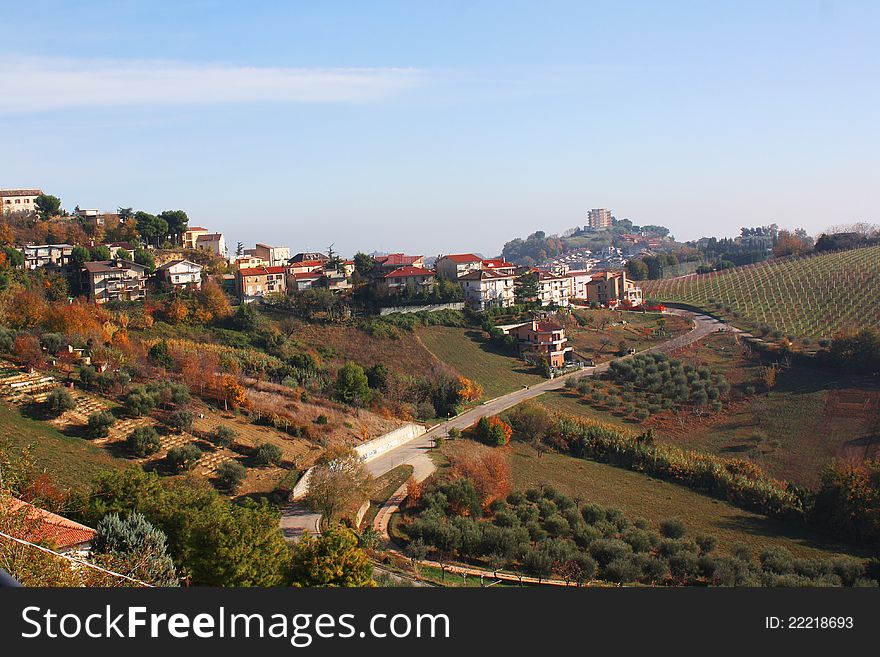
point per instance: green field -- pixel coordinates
(639, 495)
(471, 355)
(813, 296)
(70, 462)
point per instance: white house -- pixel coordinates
(578, 281)
(181, 273)
(115, 280)
(274, 256)
(18, 200)
(212, 243)
(553, 289)
(484, 288)
(456, 265)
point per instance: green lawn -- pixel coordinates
(467, 351)
(71, 462)
(639, 495)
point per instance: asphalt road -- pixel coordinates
(296, 518)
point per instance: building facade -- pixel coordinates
(191, 234)
(543, 339)
(274, 256)
(487, 289)
(418, 279)
(213, 243)
(599, 218)
(115, 280)
(38, 256)
(181, 274)
(260, 281)
(18, 200)
(456, 265)
(612, 289)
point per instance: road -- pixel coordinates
(296, 518)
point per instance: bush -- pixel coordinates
(622, 570)
(267, 454)
(59, 401)
(181, 420)
(321, 419)
(222, 436)
(143, 441)
(139, 402)
(672, 528)
(230, 474)
(184, 458)
(493, 431)
(99, 424)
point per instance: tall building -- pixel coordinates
(599, 218)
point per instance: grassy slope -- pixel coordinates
(472, 356)
(813, 296)
(808, 420)
(71, 462)
(639, 495)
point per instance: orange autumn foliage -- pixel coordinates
(469, 390)
(488, 469)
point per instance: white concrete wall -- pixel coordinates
(368, 451)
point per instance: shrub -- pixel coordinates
(222, 436)
(230, 474)
(59, 401)
(493, 430)
(99, 424)
(672, 528)
(139, 402)
(267, 454)
(184, 458)
(143, 441)
(622, 570)
(181, 420)
(321, 419)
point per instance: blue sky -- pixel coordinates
(446, 126)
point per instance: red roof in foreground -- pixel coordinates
(492, 263)
(48, 527)
(261, 271)
(402, 272)
(463, 257)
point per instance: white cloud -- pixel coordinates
(30, 84)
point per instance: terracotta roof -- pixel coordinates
(493, 263)
(193, 228)
(403, 272)
(20, 192)
(397, 259)
(209, 237)
(261, 271)
(462, 257)
(549, 326)
(308, 274)
(483, 274)
(49, 527)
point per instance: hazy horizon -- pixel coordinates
(451, 127)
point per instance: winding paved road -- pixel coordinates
(296, 518)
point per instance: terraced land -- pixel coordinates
(813, 296)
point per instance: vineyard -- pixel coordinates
(812, 296)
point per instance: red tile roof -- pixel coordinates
(493, 263)
(308, 274)
(307, 263)
(397, 259)
(403, 272)
(48, 527)
(463, 257)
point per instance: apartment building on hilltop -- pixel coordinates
(542, 339)
(18, 200)
(484, 288)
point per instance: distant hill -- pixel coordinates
(812, 296)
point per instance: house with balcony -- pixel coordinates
(181, 274)
(256, 282)
(613, 290)
(115, 280)
(553, 289)
(456, 265)
(485, 289)
(417, 279)
(191, 234)
(39, 256)
(273, 256)
(543, 339)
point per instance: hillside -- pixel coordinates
(813, 296)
